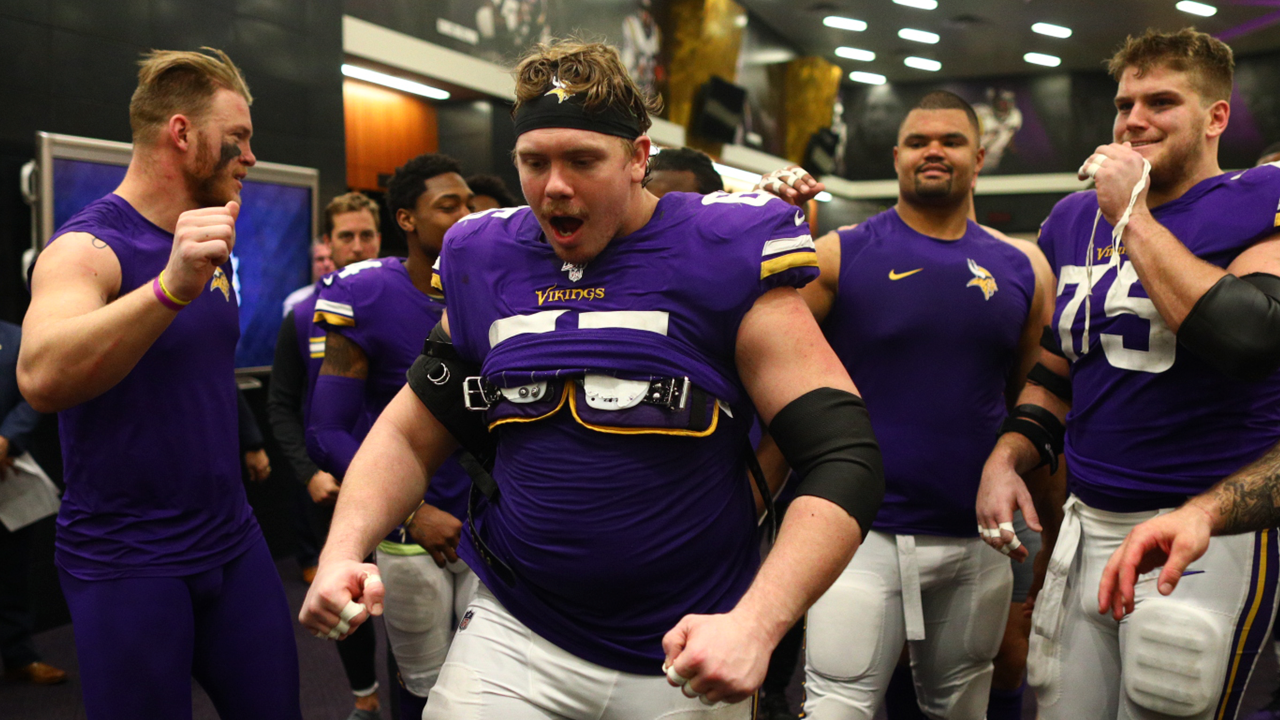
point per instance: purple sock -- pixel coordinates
(900, 700)
(1005, 704)
(411, 705)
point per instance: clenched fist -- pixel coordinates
(202, 240)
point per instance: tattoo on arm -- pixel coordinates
(1249, 500)
(98, 243)
(343, 357)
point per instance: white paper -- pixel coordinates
(26, 494)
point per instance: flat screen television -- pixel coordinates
(278, 219)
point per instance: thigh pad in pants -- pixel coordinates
(845, 631)
(1175, 657)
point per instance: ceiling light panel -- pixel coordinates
(1051, 30)
(866, 77)
(1042, 59)
(1197, 8)
(844, 23)
(850, 53)
(391, 81)
(921, 4)
(920, 63)
(920, 36)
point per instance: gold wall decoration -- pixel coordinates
(810, 95)
(704, 37)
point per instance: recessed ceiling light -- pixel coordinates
(1197, 8)
(866, 77)
(391, 81)
(1042, 59)
(855, 54)
(844, 23)
(920, 36)
(920, 63)
(1051, 30)
(921, 4)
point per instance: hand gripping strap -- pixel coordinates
(1051, 381)
(826, 437)
(1045, 431)
(437, 378)
(1235, 326)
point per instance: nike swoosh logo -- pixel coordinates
(898, 276)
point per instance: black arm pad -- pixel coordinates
(1045, 431)
(1051, 381)
(826, 437)
(1235, 326)
(1049, 341)
(437, 377)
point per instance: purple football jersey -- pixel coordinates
(615, 533)
(375, 305)
(152, 465)
(1150, 422)
(928, 330)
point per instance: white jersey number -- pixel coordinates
(755, 199)
(1162, 344)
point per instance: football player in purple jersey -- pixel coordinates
(617, 343)
(131, 338)
(923, 280)
(1165, 343)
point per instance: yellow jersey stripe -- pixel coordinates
(337, 320)
(1259, 589)
(786, 262)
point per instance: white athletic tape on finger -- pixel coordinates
(350, 610)
(342, 628)
(1004, 549)
(688, 692)
(674, 676)
(703, 699)
(319, 634)
(1015, 543)
(1007, 526)
(372, 577)
(333, 634)
(989, 532)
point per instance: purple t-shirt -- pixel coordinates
(152, 465)
(375, 305)
(614, 535)
(928, 330)
(1150, 422)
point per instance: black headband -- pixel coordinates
(562, 109)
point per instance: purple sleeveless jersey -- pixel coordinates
(1150, 423)
(928, 330)
(152, 465)
(375, 305)
(615, 533)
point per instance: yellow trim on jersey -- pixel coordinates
(786, 262)
(332, 319)
(435, 282)
(715, 420)
(563, 394)
(1278, 219)
(1259, 590)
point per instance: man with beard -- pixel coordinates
(620, 343)
(131, 338)
(375, 315)
(919, 282)
(1167, 329)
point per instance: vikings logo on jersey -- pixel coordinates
(982, 279)
(220, 282)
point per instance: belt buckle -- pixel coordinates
(474, 394)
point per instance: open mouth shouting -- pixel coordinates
(565, 227)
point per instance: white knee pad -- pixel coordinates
(414, 588)
(1175, 658)
(843, 635)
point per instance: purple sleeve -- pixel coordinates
(788, 257)
(336, 408)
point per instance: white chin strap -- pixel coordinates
(1090, 168)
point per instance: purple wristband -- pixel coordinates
(162, 297)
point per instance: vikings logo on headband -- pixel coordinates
(567, 111)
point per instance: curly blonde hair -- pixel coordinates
(172, 82)
(1208, 60)
(590, 69)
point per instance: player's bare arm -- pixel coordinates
(79, 338)
(821, 293)
(1039, 316)
(1247, 501)
(781, 356)
(384, 483)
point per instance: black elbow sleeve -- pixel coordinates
(1235, 326)
(437, 378)
(826, 437)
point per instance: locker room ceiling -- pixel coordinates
(990, 37)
